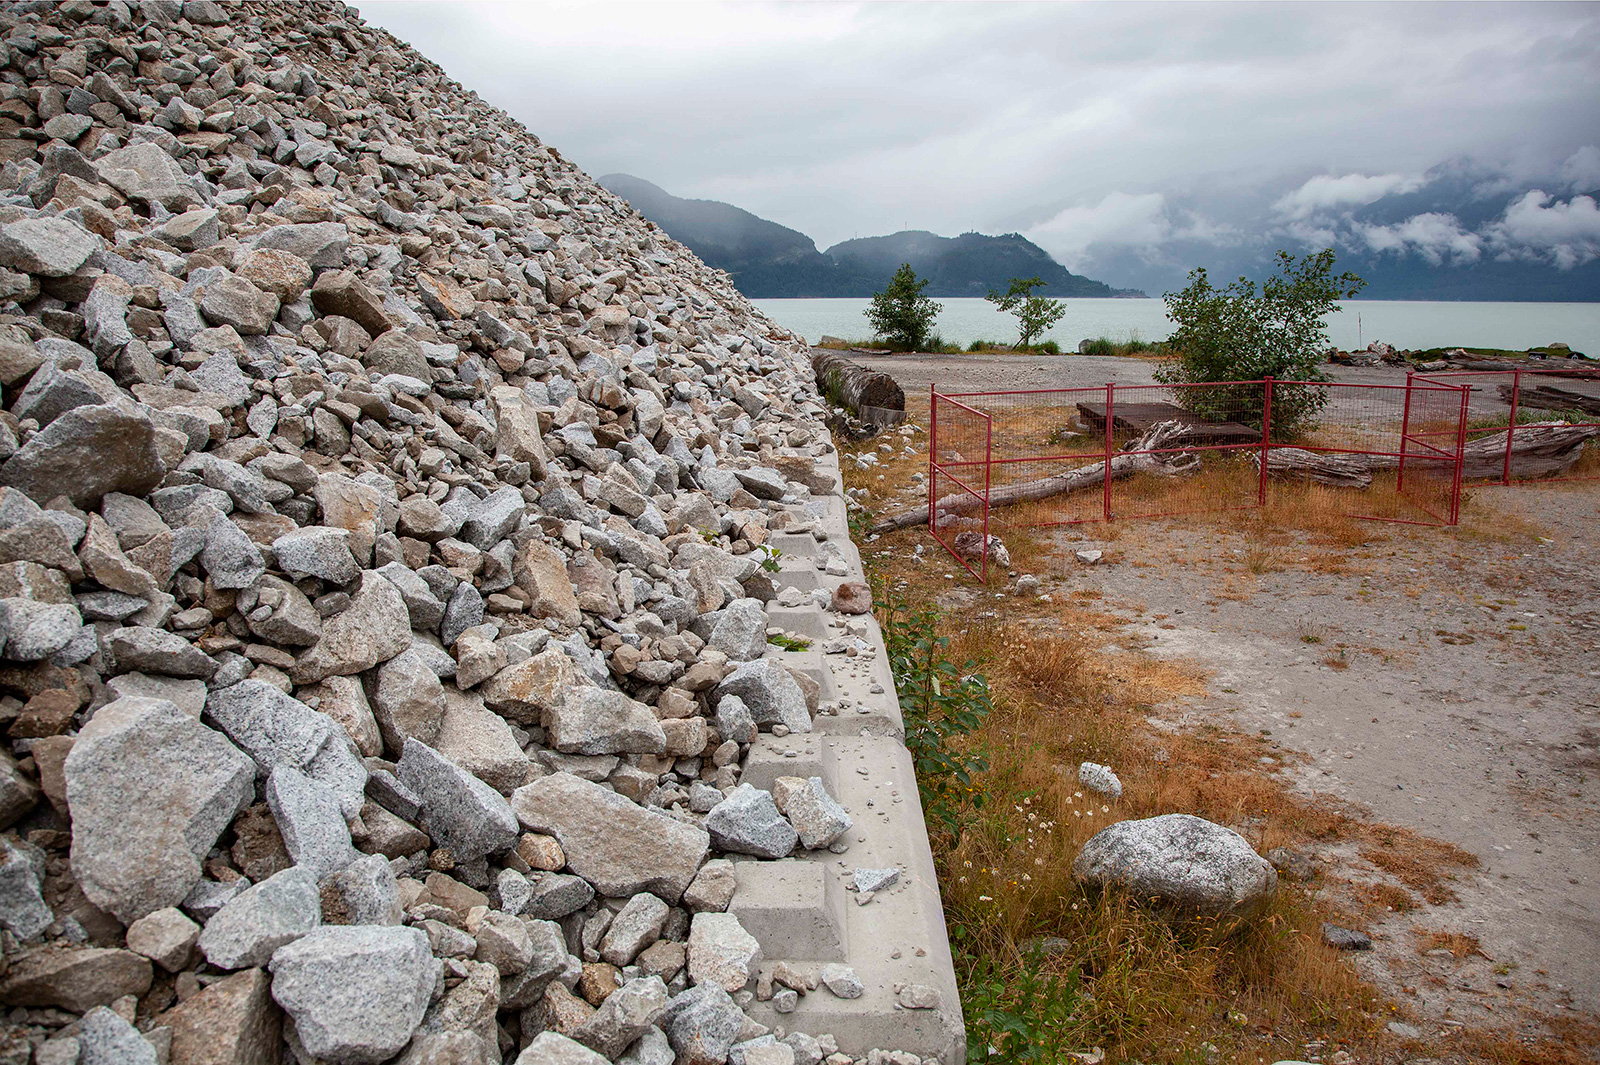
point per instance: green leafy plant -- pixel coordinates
(1035, 314)
(940, 703)
(770, 560)
(790, 643)
(1014, 1015)
(901, 314)
(1240, 334)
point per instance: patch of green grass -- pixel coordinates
(1134, 346)
(1048, 347)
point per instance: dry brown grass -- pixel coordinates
(1459, 944)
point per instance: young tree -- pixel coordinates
(901, 314)
(1035, 314)
(1239, 334)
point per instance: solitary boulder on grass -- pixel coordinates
(1181, 861)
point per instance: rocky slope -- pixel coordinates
(381, 571)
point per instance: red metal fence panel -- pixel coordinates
(1220, 446)
(1507, 407)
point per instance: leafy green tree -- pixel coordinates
(901, 314)
(1035, 314)
(1239, 334)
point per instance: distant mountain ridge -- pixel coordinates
(770, 261)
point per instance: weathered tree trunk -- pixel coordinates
(1536, 451)
(1161, 435)
(855, 387)
(1547, 397)
(1341, 471)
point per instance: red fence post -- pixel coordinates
(1111, 387)
(1405, 430)
(1266, 437)
(988, 469)
(1511, 426)
(933, 450)
(1461, 457)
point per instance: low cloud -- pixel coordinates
(1537, 226)
(1119, 219)
(1436, 237)
(1325, 192)
(1581, 171)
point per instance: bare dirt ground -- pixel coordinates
(1445, 683)
(1444, 680)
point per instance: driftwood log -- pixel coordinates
(1536, 451)
(1548, 397)
(1126, 464)
(854, 387)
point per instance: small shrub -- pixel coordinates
(940, 703)
(901, 314)
(1238, 333)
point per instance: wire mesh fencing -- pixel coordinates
(1528, 424)
(1062, 456)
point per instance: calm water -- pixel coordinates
(1403, 323)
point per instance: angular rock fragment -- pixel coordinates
(256, 922)
(150, 790)
(748, 822)
(459, 811)
(770, 692)
(372, 629)
(355, 993)
(85, 453)
(618, 846)
(230, 1022)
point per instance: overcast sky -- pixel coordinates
(1083, 126)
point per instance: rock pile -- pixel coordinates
(381, 583)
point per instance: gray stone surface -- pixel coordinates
(23, 911)
(459, 811)
(167, 937)
(142, 649)
(373, 629)
(104, 1038)
(815, 815)
(1179, 860)
(34, 630)
(741, 631)
(317, 551)
(618, 846)
(841, 980)
(748, 822)
(311, 821)
(702, 1023)
(772, 696)
(259, 920)
(721, 952)
(637, 925)
(368, 891)
(493, 518)
(357, 993)
(1100, 778)
(86, 453)
(151, 789)
(552, 1048)
(597, 721)
(407, 700)
(49, 247)
(276, 730)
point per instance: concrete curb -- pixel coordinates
(804, 911)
